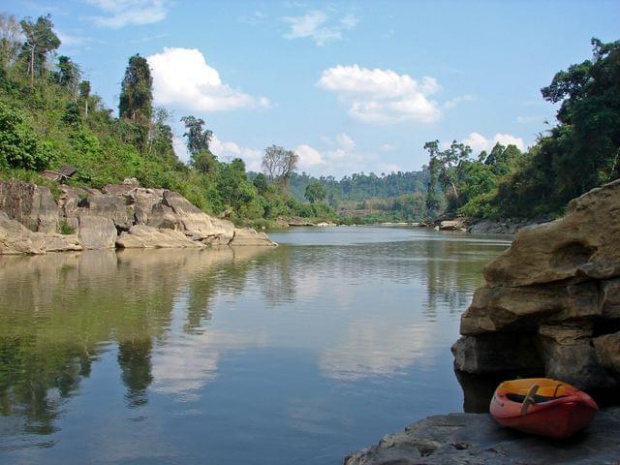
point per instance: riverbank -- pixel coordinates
(476, 439)
(35, 220)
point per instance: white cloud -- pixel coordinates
(478, 142)
(382, 96)
(182, 77)
(309, 157)
(121, 13)
(458, 100)
(229, 150)
(316, 25)
(340, 159)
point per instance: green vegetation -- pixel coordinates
(49, 117)
(578, 154)
(367, 198)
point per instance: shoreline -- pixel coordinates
(476, 439)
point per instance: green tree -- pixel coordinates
(315, 191)
(198, 138)
(136, 100)
(18, 146)
(447, 167)
(40, 40)
(260, 183)
(68, 73)
(84, 95)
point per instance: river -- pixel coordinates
(295, 355)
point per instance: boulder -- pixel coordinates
(565, 248)
(92, 202)
(97, 232)
(54, 242)
(249, 237)
(476, 439)
(608, 351)
(16, 239)
(33, 206)
(556, 292)
(143, 217)
(197, 224)
(452, 225)
(141, 236)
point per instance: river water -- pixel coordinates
(295, 355)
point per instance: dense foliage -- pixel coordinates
(581, 152)
(50, 117)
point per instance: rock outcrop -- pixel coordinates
(124, 216)
(551, 303)
(476, 439)
(16, 239)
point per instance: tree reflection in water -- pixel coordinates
(151, 313)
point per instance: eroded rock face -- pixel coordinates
(16, 239)
(124, 216)
(33, 206)
(558, 289)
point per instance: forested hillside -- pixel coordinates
(577, 154)
(49, 117)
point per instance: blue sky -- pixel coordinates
(351, 86)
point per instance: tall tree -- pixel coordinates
(68, 73)
(84, 94)
(136, 101)
(198, 138)
(40, 41)
(279, 163)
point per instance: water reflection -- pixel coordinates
(186, 336)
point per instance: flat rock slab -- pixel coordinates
(476, 439)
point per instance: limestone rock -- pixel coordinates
(249, 237)
(33, 206)
(143, 217)
(141, 236)
(97, 232)
(16, 239)
(476, 439)
(556, 290)
(92, 202)
(54, 242)
(452, 225)
(198, 225)
(564, 248)
(608, 351)
(496, 353)
(569, 356)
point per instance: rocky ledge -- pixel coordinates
(475, 439)
(551, 303)
(123, 216)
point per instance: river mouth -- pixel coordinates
(298, 354)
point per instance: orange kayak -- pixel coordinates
(542, 406)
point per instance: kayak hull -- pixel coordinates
(561, 410)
